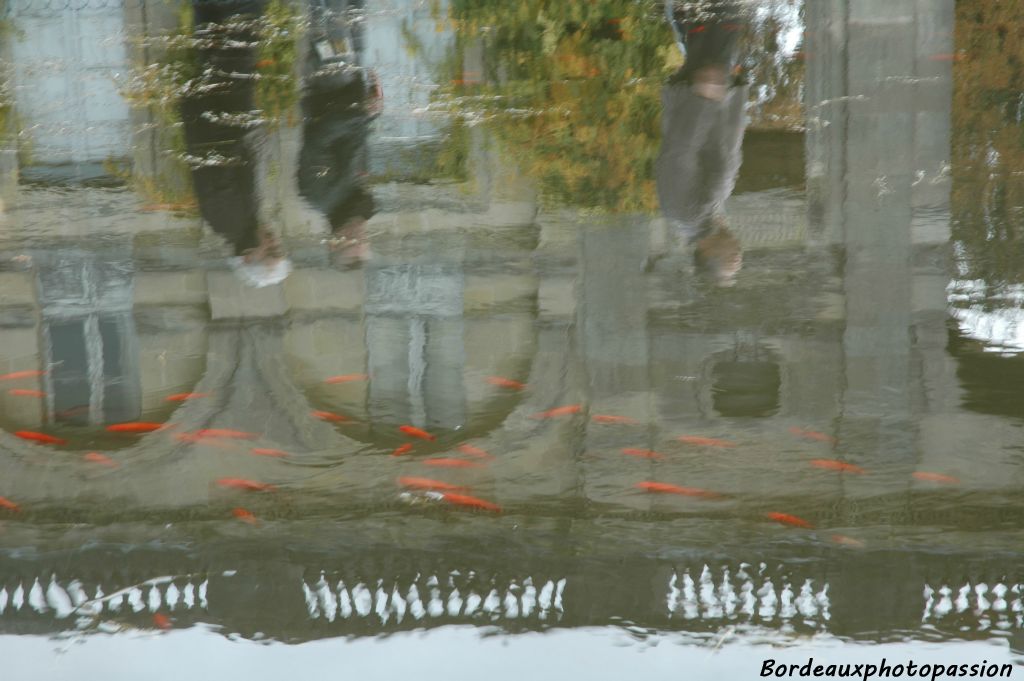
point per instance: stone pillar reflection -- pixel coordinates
(880, 115)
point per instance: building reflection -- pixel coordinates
(838, 322)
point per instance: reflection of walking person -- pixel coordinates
(702, 134)
(340, 100)
(216, 117)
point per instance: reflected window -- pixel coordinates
(89, 339)
(747, 382)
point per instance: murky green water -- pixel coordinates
(724, 351)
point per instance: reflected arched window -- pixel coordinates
(89, 339)
(414, 336)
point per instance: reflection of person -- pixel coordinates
(702, 133)
(340, 100)
(217, 117)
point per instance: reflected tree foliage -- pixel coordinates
(572, 90)
(988, 140)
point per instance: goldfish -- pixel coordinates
(404, 449)
(242, 483)
(833, 465)
(812, 435)
(135, 427)
(935, 477)
(346, 378)
(608, 418)
(666, 488)
(21, 392)
(8, 504)
(788, 519)
(40, 437)
(843, 540)
(181, 397)
(162, 621)
(96, 457)
(427, 483)
(72, 412)
(264, 63)
(642, 453)
(13, 376)
(153, 207)
(471, 502)
(226, 433)
(328, 416)
(559, 411)
(506, 383)
(442, 462)
(705, 441)
(245, 516)
(262, 451)
(195, 438)
(470, 450)
(413, 431)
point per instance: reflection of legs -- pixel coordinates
(687, 121)
(722, 153)
(223, 165)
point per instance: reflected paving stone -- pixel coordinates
(231, 299)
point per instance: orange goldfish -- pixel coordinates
(242, 483)
(162, 621)
(705, 441)
(788, 519)
(506, 383)
(404, 449)
(96, 457)
(427, 483)
(263, 451)
(470, 450)
(442, 462)
(812, 435)
(328, 416)
(245, 516)
(833, 465)
(226, 433)
(264, 63)
(135, 427)
(642, 453)
(843, 540)
(153, 207)
(9, 505)
(559, 411)
(21, 392)
(471, 502)
(181, 397)
(40, 437)
(13, 376)
(413, 431)
(346, 378)
(935, 477)
(666, 488)
(196, 438)
(608, 418)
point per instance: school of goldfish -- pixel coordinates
(473, 457)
